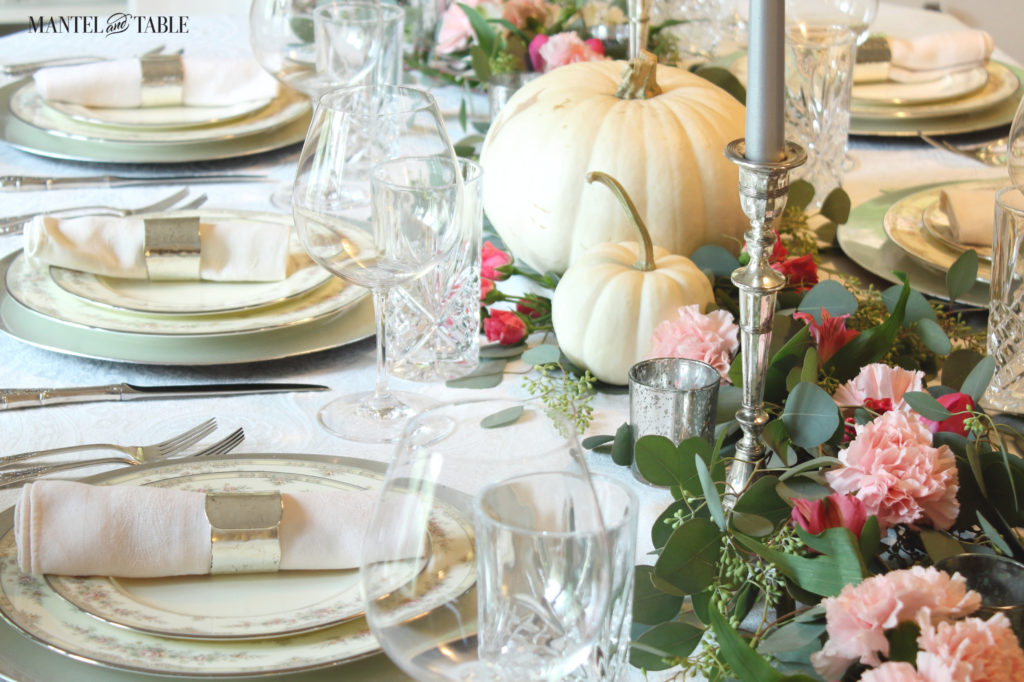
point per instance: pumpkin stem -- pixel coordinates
(638, 79)
(646, 260)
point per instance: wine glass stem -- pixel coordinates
(381, 398)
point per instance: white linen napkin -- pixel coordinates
(208, 82)
(68, 528)
(971, 213)
(230, 250)
(933, 56)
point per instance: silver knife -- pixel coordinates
(29, 183)
(16, 398)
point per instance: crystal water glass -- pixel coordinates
(433, 322)
(1006, 306)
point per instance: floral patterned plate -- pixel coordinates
(29, 603)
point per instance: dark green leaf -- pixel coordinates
(711, 497)
(481, 62)
(870, 538)
(622, 448)
(926, 406)
(870, 345)
(463, 116)
(762, 499)
(662, 463)
(903, 642)
(993, 535)
(777, 440)
(977, 381)
(665, 641)
(724, 79)
(650, 605)
(594, 441)
(836, 206)
(498, 351)
(962, 274)
(810, 415)
(701, 603)
(809, 372)
(504, 417)
(744, 662)
(801, 488)
(689, 560)
(715, 259)
(511, 28)
(730, 400)
(918, 307)
(830, 295)
(958, 365)
(825, 575)
(939, 545)
(662, 528)
(801, 193)
(791, 637)
(543, 354)
(751, 524)
(934, 337)
(486, 36)
(809, 465)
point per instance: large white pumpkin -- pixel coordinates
(666, 150)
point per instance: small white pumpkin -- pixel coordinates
(663, 140)
(608, 302)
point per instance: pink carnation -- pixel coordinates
(456, 32)
(878, 381)
(519, 12)
(970, 650)
(711, 338)
(858, 617)
(892, 672)
(564, 48)
(893, 468)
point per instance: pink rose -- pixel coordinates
(878, 381)
(893, 468)
(834, 511)
(858, 617)
(505, 327)
(564, 48)
(456, 32)
(960, 404)
(492, 258)
(534, 51)
(970, 649)
(830, 335)
(520, 12)
(893, 672)
(486, 287)
(711, 338)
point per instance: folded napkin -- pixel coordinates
(922, 59)
(970, 212)
(230, 251)
(208, 82)
(68, 528)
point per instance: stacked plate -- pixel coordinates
(966, 101)
(223, 625)
(149, 135)
(189, 323)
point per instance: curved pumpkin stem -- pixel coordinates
(638, 79)
(646, 260)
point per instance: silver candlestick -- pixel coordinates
(764, 189)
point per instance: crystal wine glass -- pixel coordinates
(376, 226)
(1015, 148)
(487, 557)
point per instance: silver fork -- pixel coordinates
(133, 453)
(989, 153)
(15, 224)
(28, 68)
(223, 446)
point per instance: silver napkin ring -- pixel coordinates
(163, 80)
(243, 532)
(172, 248)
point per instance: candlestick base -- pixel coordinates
(764, 190)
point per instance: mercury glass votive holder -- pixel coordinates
(672, 397)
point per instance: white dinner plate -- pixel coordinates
(936, 222)
(904, 225)
(28, 105)
(198, 297)
(1002, 84)
(159, 117)
(947, 87)
(31, 605)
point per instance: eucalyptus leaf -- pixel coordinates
(958, 366)
(962, 274)
(506, 417)
(830, 295)
(689, 560)
(711, 498)
(743, 661)
(939, 545)
(662, 529)
(870, 538)
(724, 79)
(543, 354)
(762, 499)
(715, 259)
(486, 381)
(801, 488)
(993, 535)
(791, 637)
(751, 524)
(622, 446)
(592, 442)
(809, 465)
(463, 115)
(650, 605)
(730, 400)
(836, 206)
(918, 307)
(825, 575)
(801, 193)
(978, 380)
(487, 367)
(486, 36)
(926, 406)
(656, 648)
(934, 337)
(810, 415)
(870, 345)
(498, 351)
(481, 63)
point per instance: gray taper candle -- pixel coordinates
(765, 134)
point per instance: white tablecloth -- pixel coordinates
(286, 422)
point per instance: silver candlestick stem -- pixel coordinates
(639, 26)
(764, 189)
